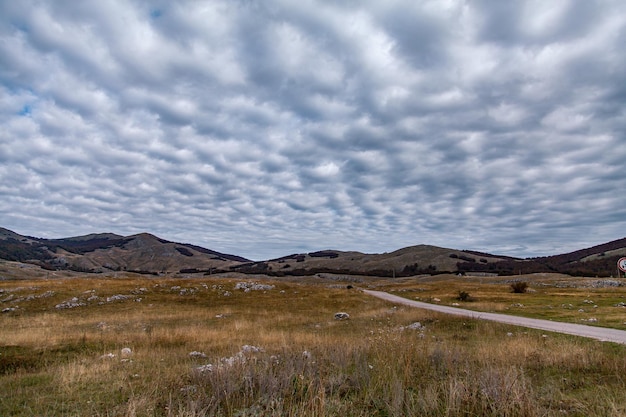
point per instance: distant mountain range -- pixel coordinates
(148, 254)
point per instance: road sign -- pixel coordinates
(621, 264)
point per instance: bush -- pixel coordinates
(519, 287)
(464, 296)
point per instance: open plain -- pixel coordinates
(195, 345)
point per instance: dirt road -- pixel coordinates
(599, 333)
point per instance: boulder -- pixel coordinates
(342, 316)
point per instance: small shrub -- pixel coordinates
(464, 296)
(519, 287)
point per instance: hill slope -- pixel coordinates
(599, 260)
(106, 251)
(149, 254)
(414, 260)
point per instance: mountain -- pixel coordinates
(107, 251)
(147, 253)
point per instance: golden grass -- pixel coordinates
(549, 296)
(56, 361)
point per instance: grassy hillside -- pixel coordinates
(148, 254)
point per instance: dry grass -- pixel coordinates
(550, 296)
(54, 361)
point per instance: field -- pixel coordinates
(591, 301)
(250, 346)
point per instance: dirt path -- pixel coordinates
(599, 333)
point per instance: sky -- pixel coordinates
(265, 128)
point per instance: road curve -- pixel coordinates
(599, 333)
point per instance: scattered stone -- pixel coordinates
(7, 299)
(126, 352)
(253, 286)
(73, 303)
(108, 356)
(205, 368)
(240, 357)
(415, 326)
(196, 354)
(8, 309)
(251, 349)
(342, 316)
(117, 297)
(605, 283)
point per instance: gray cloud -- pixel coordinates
(266, 128)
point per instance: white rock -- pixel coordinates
(251, 349)
(205, 368)
(342, 316)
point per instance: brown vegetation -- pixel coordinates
(275, 349)
(146, 253)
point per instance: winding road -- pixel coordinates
(599, 333)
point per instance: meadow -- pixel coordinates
(252, 346)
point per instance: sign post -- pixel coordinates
(621, 264)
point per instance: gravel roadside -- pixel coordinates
(599, 333)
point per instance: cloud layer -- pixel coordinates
(262, 128)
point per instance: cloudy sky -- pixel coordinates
(264, 128)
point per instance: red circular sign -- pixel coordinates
(621, 264)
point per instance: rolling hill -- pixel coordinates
(146, 253)
(143, 253)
